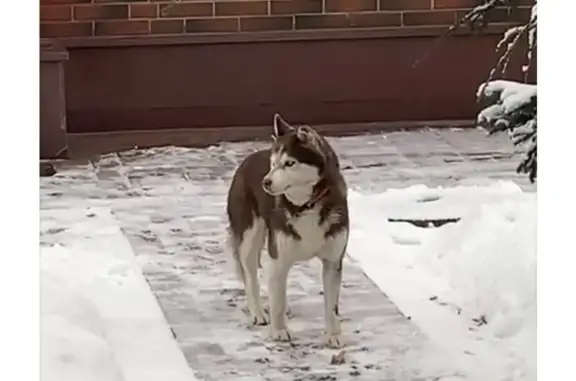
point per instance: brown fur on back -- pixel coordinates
(246, 198)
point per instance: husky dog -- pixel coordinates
(294, 195)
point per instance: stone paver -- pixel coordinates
(170, 203)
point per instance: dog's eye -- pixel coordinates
(289, 163)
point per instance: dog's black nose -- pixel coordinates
(266, 183)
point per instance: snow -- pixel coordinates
(512, 95)
(73, 343)
(489, 260)
(99, 319)
(436, 203)
(506, 99)
(445, 278)
(512, 108)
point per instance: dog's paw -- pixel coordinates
(260, 318)
(334, 341)
(280, 334)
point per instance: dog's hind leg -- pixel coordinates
(249, 256)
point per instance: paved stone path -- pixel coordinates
(170, 203)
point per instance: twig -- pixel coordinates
(505, 58)
(528, 65)
(532, 41)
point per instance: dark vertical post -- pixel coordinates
(52, 100)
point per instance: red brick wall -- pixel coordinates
(86, 18)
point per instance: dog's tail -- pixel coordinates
(234, 244)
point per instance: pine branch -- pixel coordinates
(512, 107)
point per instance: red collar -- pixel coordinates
(323, 192)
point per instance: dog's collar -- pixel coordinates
(317, 196)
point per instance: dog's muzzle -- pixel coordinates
(266, 184)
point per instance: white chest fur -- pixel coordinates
(312, 236)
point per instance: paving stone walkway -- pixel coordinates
(170, 203)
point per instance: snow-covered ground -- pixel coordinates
(470, 286)
(99, 319)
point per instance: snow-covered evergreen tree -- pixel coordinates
(508, 105)
(511, 106)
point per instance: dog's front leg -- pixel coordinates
(331, 279)
(277, 298)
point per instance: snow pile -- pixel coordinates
(99, 318)
(489, 261)
(490, 257)
(73, 345)
(471, 285)
(421, 202)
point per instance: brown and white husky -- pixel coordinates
(294, 195)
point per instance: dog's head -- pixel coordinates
(296, 158)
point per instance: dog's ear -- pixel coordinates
(281, 127)
(307, 135)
